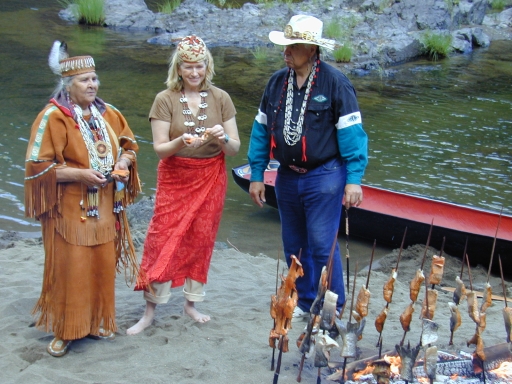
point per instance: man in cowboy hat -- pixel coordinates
(309, 120)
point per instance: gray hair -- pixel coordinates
(65, 82)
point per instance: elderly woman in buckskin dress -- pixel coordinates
(80, 173)
(194, 127)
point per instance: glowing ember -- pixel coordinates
(368, 370)
(504, 371)
(395, 362)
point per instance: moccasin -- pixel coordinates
(58, 347)
(103, 335)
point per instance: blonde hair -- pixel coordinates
(175, 83)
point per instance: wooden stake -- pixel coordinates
(347, 254)
(503, 282)
(494, 245)
(274, 349)
(371, 262)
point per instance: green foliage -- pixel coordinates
(436, 45)
(260, 53)
(168, 6)
(333, 29)
(342, 54)
(498, 5)
(90, 12)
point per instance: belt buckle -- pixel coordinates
(298, 169)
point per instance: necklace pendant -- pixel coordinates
(101, 148)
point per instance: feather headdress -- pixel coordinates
(58, 53)
(63, 65)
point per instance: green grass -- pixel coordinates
(90, 12)
(498, 5)
(436, 45)
(260, 53)
(342, 54)
(168, 6)
(333, 29)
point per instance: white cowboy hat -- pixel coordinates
(302, 29)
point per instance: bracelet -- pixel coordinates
(127, 162)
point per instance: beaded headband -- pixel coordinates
(76, 65)
(192, 49)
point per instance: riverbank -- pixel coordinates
(380, 33)
(233, 346)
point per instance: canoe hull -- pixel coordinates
(385, 214)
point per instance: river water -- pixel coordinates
(441, 129)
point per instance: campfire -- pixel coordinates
(330, 339)
(450, 369)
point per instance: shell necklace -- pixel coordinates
(293, 131)
(201, 117)
(99, 148)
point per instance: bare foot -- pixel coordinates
(145, 321)
(191, 310)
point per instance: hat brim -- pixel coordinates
(278, 38)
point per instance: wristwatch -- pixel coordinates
(226, 138)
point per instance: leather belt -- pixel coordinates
(298, 169)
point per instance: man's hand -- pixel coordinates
(353, 195)
(257, 192)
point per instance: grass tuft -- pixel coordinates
(342, 54)
(436, 45)
(89, 12)
(168, 6)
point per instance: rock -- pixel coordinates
(384, 32)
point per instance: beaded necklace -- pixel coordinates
(293, 134)
(293, 131)
(201, 117)
(96, 139)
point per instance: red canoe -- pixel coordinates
(384, 215)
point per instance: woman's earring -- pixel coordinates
(180, 78)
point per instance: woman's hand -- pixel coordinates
(91, 178)
(123, 164)
(192, 141)
(218, 132)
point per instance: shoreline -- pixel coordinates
(233, 346)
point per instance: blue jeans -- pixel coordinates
(310, 209)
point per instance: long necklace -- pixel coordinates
(201, 117)
(293, 131)
(100, 150)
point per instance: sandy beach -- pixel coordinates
(233, 346)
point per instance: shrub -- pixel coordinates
(498, 5)
(342, 54)
(168, 6)
(436, 45)
(90, 12)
